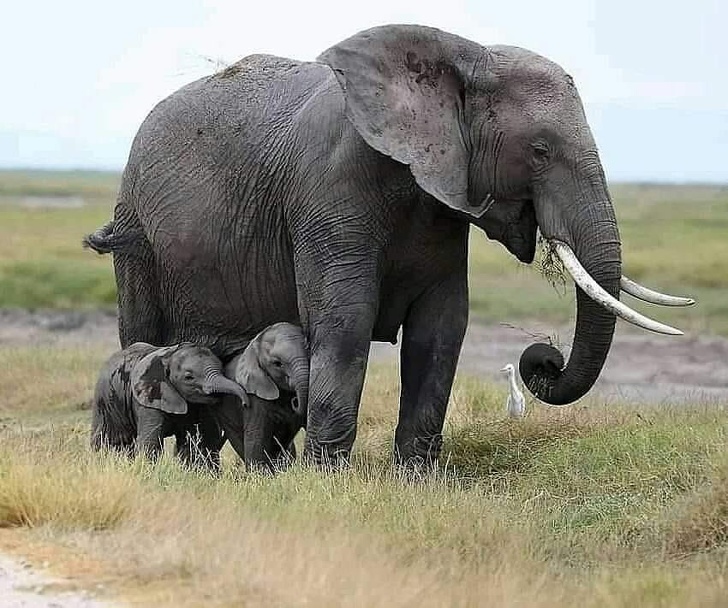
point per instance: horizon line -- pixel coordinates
(632, 181)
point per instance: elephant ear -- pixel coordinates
(151, 386)
(250, 374)
(404, 94)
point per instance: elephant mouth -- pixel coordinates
(520, 232)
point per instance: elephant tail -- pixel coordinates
(106, 240)
(101, 240)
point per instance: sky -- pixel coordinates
(79, 76)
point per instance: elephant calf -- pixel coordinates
(146, 393)
(273, 370)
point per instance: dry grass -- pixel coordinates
(582, 506)
(42, 485)
(47, 379)
(700, 521)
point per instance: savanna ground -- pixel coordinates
(610, 502)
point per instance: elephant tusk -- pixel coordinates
(584, 280)
(653, 297)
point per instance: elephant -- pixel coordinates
(145, 393)
(338, 194)
(274, 370)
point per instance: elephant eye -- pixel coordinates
(278, 363)
(540, 152)
(189, 375)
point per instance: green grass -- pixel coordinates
(673, 239)
(42, 264)
(583, 506)
(15, 184)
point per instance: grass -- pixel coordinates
(591, 505)
(583, 506)
(673, 239)
(42, 264)
(94, 185)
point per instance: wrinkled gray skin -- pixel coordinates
(274, 371)
(145, 393)
(338, 194)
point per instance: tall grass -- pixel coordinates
(592, 505)
(43, 485)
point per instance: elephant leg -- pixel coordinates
(111, 429)
(338, 366)
(339, 351)
(229, 417)
(432, 335)
(209, 442)
(150, 433)
(138, 291)
(185, 444)
(338, 276)
(198, 442)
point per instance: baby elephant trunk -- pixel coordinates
(299, 380)
(216, 382)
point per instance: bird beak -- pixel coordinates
(504, 369)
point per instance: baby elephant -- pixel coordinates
(146, 393)
(273, 370)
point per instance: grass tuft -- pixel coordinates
(700, 522)
(42, 481)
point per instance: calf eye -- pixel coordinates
(541, 152)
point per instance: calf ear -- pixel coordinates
(251, 375)
(150, 383)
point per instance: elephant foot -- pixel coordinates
(418, 456)
(326, 457)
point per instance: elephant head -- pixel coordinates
(498, 134)
(169, 377)
(274, 371)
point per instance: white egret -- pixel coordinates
(516, 403)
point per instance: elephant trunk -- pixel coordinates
(594, 238)
(258, 440)
(254, 452)
(217, 382)
(299, 381)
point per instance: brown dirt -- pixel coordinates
(641, 368)
(28, 581)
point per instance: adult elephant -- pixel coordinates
(339, 194)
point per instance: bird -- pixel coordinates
(516, 402)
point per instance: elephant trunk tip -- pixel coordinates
(540, 366)
(298, 407)
(221, 384)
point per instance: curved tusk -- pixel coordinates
(584, 280)
(653, 297)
